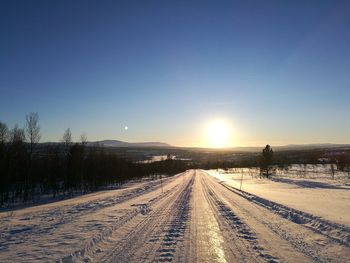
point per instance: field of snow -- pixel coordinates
(310, 189)
(196, 216)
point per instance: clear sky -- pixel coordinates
(276, 72)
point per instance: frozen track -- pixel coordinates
(194, 219)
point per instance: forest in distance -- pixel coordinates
(30, 169)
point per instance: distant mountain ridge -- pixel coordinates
(312, 146)
(290, 147)
(117, 143)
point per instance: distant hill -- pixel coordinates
(291, 147)
(311, 146)
(116, 143)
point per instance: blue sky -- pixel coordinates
(277, 71)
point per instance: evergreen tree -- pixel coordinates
(266, 161)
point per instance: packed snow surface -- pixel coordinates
(196, 216)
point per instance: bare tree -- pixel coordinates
(32, 130)
(17, 135)
(67, 140)
(83, 138)
(343, 163)
(332, 170)
(4, 132)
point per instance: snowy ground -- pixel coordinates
(191, 217)
(311, 190)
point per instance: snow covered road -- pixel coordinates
(190, 217)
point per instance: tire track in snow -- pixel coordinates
(245, 236)
(337, 232)
(141, 243)
(54, 218)
(298, 239)
(92, 247)
(100, 239)
(176, 229)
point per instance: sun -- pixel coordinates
(218, 133)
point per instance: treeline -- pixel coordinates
(29, 170)
(337, 159)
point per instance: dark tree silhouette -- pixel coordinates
(83, 138)
(4, 132)
(67, 141)
(343, 163)
(64, 168)
(17, 135)
(32, 130)
(266, 161)
(4, 135)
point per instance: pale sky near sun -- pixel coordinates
(188, 73)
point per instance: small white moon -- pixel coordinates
(126, 128)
